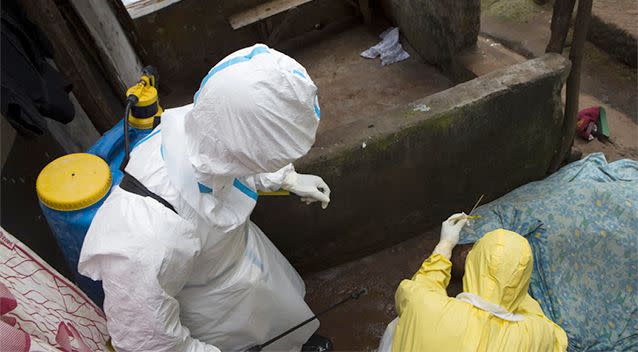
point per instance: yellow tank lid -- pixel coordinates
(73, 182)
(146, 95)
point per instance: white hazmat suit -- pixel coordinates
(207, 278)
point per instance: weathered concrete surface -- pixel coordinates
(488, 55)
(486, 136)
(614, 28)
(436, 29)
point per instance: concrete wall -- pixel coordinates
(486, 136)
(437, 29)
(186, 39)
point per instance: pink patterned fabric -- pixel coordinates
(45, 304)
(13, 339)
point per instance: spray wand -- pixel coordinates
(352, 296)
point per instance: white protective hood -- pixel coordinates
(255, 112)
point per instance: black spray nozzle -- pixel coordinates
(152, 72)
(132, 99)
(357, 294)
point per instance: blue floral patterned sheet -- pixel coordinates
(582, 224)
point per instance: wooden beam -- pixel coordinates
(117, 53)
(144, 7)
(128, 25)
(583, 17)
(263, 11)
(561, 19)
(89, 83)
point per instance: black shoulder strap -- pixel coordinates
(133, 185)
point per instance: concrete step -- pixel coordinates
(488, 55)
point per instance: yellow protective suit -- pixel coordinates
(498, 269)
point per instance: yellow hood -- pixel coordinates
(499, 268)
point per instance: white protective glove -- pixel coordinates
(310, 188)
(450, 230)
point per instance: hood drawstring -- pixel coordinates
(494, 309)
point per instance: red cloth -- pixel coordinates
(7, 301)
(585, 117)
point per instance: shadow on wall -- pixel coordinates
(185, 39)
(20, 214)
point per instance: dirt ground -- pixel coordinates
(351, 86)
(380, 273)
(523, 27)
(621, 13)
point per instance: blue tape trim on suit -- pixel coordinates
(204, 188)
(245, 189)
(317, 109)
(316, 103)
(256, 51)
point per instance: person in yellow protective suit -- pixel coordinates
(494, 313)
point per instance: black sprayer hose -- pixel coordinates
(353, 295)
(130, 101)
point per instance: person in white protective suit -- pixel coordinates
(204, 277)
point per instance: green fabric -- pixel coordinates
(602, 122)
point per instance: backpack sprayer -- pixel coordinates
(142, 107)
(353, 295)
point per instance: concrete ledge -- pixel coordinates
(614, 40)
(486, 136)
(614, 29)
